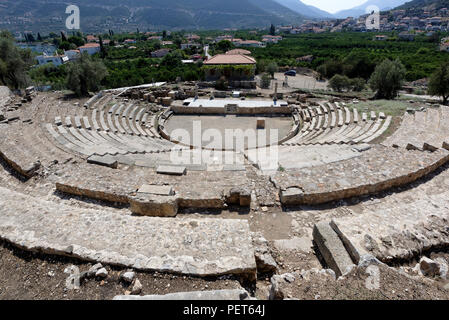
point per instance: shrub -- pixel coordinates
(339, 83)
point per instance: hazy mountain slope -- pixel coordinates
(128, 14)
(419, 4)
(304, 9)
(360, 10)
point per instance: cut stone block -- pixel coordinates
(172, 170)
(292, 195)
(245, 198)
(332, 248)
(157, 190)
(154, 205)
(105, 161)
(58, 121)
(217, 295)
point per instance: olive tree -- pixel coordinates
(387, 79)
(85, 74)
(439, 82)
(14, 63)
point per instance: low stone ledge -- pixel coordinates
(338, 188)
(217, 295)
(196, 247)
(26, 169)
(91, 193)
(154, 205)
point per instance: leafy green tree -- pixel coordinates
(272, 68)
(85, 74)
(272, 30)
(65, 45)
(173, 59)
(14, 63)
(224, 45)
(357, 84)
(265, 81)
(387, 79)
(339, 83)
(439, 82)
(76, 40)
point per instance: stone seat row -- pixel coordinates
(422, 130)
(118, 118)
(378, 169)
(92, 142)
(328, 124)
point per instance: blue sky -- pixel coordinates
(333, 6)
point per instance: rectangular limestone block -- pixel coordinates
(105, 161)
(331, 248)
(154, 205)
(172, 170)
(157, 190)
(166, 101)
(292, 195)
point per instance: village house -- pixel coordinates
(190, 45)
(239, 51)
(72, 54)
(231, 66)
(90, 48)
(56, 60)
(91, 38)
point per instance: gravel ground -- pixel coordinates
(31, 276)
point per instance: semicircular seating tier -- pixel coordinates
(334, 123)
(422, 130)
(109, 128)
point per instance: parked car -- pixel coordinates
(290, 73)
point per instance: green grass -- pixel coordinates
(389, 107)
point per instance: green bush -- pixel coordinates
(387, 79)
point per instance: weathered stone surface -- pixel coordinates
(264, 259)
(277, 281)
(198, 247)
(429, 267)
(401, 227)
(137, 287)
(331, 248)
(106, 161)
(291, 195)
(154, 205)
(172, 170)
(128, 276)
(237, 294)
(157, 190)
(102, 273)
(375, 170)
(93, 270)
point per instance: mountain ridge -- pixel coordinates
(361, 9)
(152, 14)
